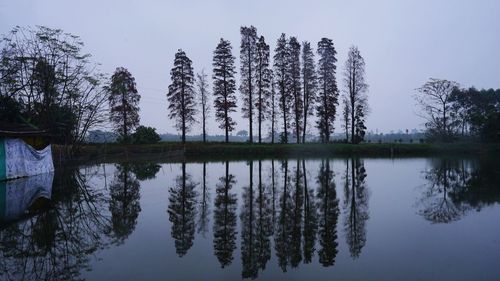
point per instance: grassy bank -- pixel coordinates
(197, 150)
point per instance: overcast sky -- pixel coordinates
(403, 42)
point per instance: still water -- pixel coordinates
(295, 219)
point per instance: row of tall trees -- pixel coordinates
(292, 89)
(280, 205)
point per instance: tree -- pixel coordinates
(123, 103)
(263, 81)
(125, 202)
(181, 95)
(224, 86)
(346, 113)
(202, 86)
(434, 97)
(182, 211)
(328, 91)
(309, 84)
(225, 219)
(273, 102)
(328, 215)
(354, 80)
(282, 80)
(145, 135)
(477, 113)
(47, 82)
(295, 87)
(355, 206)
(248, 61)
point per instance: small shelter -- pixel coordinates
(24, 151)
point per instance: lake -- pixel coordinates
(282, 219)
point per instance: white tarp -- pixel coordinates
(22, 160)
(20, 194)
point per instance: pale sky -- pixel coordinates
(403, 42)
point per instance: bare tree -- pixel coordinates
(435, 99)
(52, 83)
(202, 87)
(356, 88)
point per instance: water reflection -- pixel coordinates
(124, 204)
(55, 244)
(454, 187)
(328, 215)
(355, 206)
(266, 212)
(225, 219)
(182, 211)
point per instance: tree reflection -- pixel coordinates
(328, 215)
(56, 244)
(204, 210)
(298, 199)
(225, 219)
(145, 171)
(355, 206)
(310, 219)
(256, 221)
(182, 211)
(124, 205)
(283, 233)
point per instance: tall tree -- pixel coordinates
(309, 84)
(282, 80)
(435, 98)
(295, 85)
(248, 61)
(181, 96)
(224, 86)
(356, 207)
(202, 87)
(182, 211)
(328, 91)
(354, 79)
(224, 227)
(346, 116)
(123, 103)
(328, 215)
(263, 81)
(124, 205)
(273, 103)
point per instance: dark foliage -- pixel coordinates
(327, 88)
(123, 103)
(145, 135)
(181, 95)
(224, 86)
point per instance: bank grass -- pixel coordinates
(173, 151)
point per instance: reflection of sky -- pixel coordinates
(19, 194)
(401, 245)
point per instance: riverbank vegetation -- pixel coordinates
(47, 82)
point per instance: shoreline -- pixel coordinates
(193, 151)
